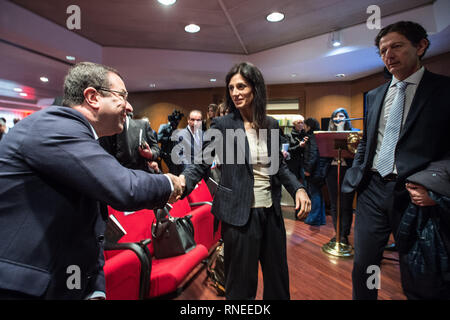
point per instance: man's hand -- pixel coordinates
(145, 152)
(419, 195)
(153, 165)
(178, 188)
(303, 202)
(183, 181)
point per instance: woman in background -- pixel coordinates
(338, 123)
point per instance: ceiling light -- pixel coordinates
(44, 79)
(293, 75)
(167, 2)
(23, 94)
(152, 85)
(336, 39)
(192, 28)
(275, 17)
(213, 80)
(340, 75)
(70, 58)
(17, 89)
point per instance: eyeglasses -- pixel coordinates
(123, 94)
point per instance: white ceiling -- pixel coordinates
(147, 44)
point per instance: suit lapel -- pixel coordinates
(245, 149)
(373, 117)
(423, 91)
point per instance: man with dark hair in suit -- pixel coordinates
(53, 177)
(405, 129)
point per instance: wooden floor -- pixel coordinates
(313, 274)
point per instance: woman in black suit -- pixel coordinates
(247, 200)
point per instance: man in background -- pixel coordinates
(135, 147)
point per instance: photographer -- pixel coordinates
(164, 133)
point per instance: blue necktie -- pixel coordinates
(386, 156)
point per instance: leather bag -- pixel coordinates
(172, 236)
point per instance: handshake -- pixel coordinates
(179, 184)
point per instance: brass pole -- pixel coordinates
(337, 248)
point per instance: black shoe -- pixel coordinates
(344, 240)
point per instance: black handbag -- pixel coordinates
(172, 236)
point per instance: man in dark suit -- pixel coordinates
(136, 146)
(189, 141)
(405, 128)
(53, 176)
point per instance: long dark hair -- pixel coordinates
(347, 125)
(254, 77)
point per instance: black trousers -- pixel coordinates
(262, 239)
(375, 220)
(346, 201)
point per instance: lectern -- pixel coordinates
(338, 144)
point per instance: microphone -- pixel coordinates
(348, 119)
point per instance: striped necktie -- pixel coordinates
(386, 157)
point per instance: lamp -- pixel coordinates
(336, 39)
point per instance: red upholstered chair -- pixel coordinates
(122, 273)
(200, 193)
(197, 199)
(167, 274)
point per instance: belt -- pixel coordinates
(389, 178)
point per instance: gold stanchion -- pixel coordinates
(336, 248)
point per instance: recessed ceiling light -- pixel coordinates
(192, 28)
(70, 58)
(23, 94)
(44, 79)
(152, 85)
(17, 89)
(275, 17)
(213, 80)
(293, 75)
(167, 2)
(340, 75)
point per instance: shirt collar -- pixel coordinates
(93, 131)
(412, 79)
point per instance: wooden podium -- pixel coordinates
(338, 144)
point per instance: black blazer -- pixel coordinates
(125, 145)
(423, 138)
(234, 195)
